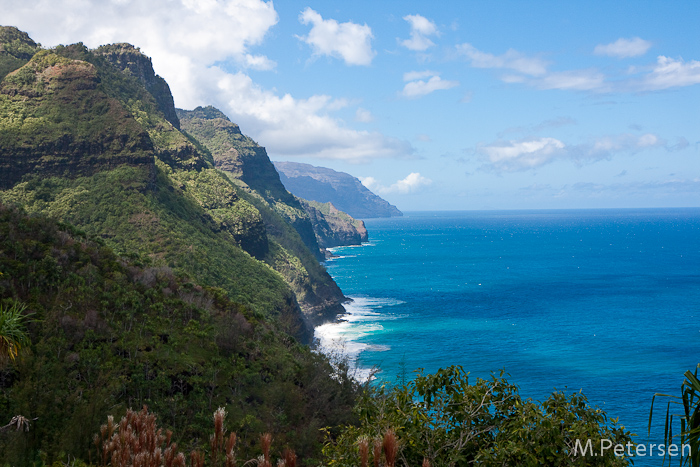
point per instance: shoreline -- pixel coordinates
(342, 339)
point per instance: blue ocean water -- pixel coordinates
(604, 301)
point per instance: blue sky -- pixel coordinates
(434, 105)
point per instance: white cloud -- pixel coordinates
(301, 127)
(411, 184)
(532, 153)
(512, 60)
(370, 183)
(522, 155)
(186, 39)
(363, 115)
(204, 30)
(259, 62)
(421, 28)
(623, 48)
(670, 73)
(349, 41)
(417, 87)
(183, 38)
(575, 80)
(665, 74)
(415, 75)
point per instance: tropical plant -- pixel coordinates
(442, 419)
(137, 441)
(689, 419)
(13, 335)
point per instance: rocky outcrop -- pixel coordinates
(247, 163)
(235, 153)
(324, 185)
(333, 227)
(131, 61)
(243, 159)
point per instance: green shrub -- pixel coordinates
(444, 420)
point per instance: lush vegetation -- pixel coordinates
(445, 420)
(163, 225)
(95, 149)
(16, 49)
(145, 265)
(108, 333)
(13, 335)
(293, 249)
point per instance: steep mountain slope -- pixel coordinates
(324, 185)
(132, 62)
(82, 139)
(108, 333)
(247, 165)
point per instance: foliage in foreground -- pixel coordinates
(108, 333)
(443, 420)
(689, 400)
(13, 335)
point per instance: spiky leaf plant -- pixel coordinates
(13, 335)
(690, 419)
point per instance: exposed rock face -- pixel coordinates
(233, 152)
(324, 185)
(243, 159)
(130, 60)
(333, 227)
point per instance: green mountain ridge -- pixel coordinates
(160, 261)
(84, 139)
(180, 285)
(247, 166)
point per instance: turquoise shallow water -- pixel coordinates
(607, 301)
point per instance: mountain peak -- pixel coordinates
(17, 43)
(347, 193)
(16, 49)
(131, 61)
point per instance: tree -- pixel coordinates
(441, 419)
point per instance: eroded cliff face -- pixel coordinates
(247, 164)
(324, 185)
(333, 227)
(130, 60)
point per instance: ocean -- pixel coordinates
(603, 301)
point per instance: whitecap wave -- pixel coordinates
(343, 340)
(333, 258)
